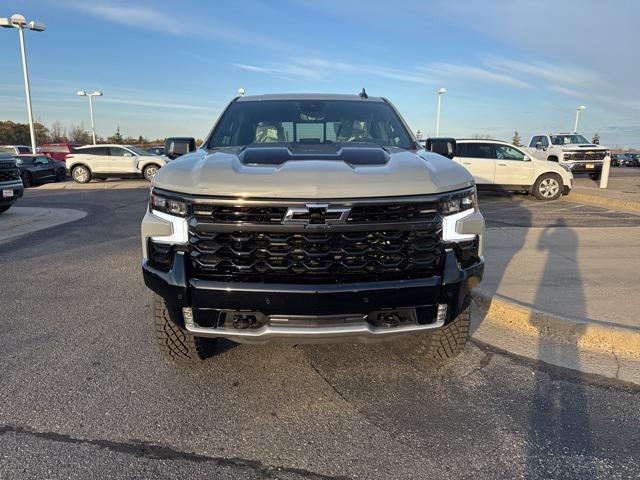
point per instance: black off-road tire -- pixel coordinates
(178, 346)
(4, 208)
(26, 179)
(595, 176)
(449, 341)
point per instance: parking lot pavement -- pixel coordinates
(574, 260)
(18, 221)
(110, 184)
(83, 392)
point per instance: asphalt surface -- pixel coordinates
(84, 394)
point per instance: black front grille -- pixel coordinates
(586, 156)
(327, 257)
(400, 212)
(393, 213)
(240, 213)
(8, 175)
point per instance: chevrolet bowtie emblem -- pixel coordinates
(316, 215)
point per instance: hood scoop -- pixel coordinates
(279, 155)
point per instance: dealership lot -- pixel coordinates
(84, 394)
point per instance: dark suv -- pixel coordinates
(11, 188)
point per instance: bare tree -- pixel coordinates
(57, 133)
(78, 134)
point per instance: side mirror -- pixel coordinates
(176, 146)
(443, 146)
(527, 158)
(538, 145)
(127, 154)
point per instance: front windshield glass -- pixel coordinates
(138, 151)
(567, 139)
(309, 122)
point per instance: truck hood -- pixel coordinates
(285, 174)
(578, 147)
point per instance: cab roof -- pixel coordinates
(306, 96)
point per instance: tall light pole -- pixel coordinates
(18, 21)
(441, 91)
(97, 93)
(578, 110)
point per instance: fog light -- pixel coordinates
(187, 314)
(442, 312)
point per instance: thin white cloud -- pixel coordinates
(140, 17)
(473, 73)
(563, 74)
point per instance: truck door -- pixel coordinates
(479, 159)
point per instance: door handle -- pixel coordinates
(466, 163)
(502, 164)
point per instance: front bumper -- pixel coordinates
(17, 191)
(584, 167)
(314, 313)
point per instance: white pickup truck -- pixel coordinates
(570, 149)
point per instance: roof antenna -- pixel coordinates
(363, 94)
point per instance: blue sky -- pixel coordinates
(169, 68)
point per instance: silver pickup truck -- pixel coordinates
(311, 218)
(571, 150)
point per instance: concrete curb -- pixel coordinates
(613, 203)
(609, 350)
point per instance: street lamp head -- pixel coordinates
(97, 93)
(5, 22)
(37, 27)
(582, 107)
(442, 90)
(18, 20)
(241, 91)
(81, 93)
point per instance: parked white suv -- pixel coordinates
(502, 166)
(105, 161)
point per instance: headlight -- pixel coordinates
(171, 206)
(567, 156)
(459, 203)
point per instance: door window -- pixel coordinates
(475, 150)
(118, 152)
(42, 161)
(545, 141)
(505, 152)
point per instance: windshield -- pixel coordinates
(138, 151)
(567, 139)
(309, 122)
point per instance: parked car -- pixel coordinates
(157, 150)
(502, 166)
(570, 149)
(109, 161)
(15, 149)
(40, 169)
(11, 188)
(311, 218)
(636, 159)
(58, 151)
